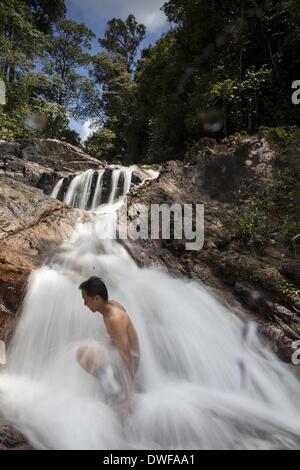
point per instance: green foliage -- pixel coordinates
(197, 151)
(222, 70)
(289, 291)
(117, 86)
(20, 40)
(274, 133)
(28, 114)
(227, 90)
(251, 218)
(33, 107)
(295, 136)
(46, 13)
(40, 119)
(280, 135)
(234, 139)
(158, 116)
(12, 126)
(102, 145)
(236, 60)
(124, 38)
(164, 135)
(275, 208)
(116, 96)
(65, 52)
(110, 96)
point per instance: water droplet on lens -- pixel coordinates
(36, 121)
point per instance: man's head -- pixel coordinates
(94, 293)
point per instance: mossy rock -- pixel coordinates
(295, 136)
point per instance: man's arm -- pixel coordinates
(117, 328)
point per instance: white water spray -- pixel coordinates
(97, 195)
(57, 189)
(201, 384)
(79, 190)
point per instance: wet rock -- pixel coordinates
(136, 179)
(250, 296)
(12, 440)
(7, 324)
(292, 271)
(120, 186)
(65, 186)
(93, 188)
(107, 180)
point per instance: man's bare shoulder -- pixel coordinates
(116, 305)
(117, 315)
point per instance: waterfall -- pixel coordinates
(127, 179)
(57, 189)
(79, 190)
(202, 384)
(97, 194)
(82, 195)
(114, 186)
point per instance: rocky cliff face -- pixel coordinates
(41, 163)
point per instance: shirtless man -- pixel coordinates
(121, 331)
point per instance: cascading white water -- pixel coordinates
(97, 195)
(205, 380)
(57, 189)
(79, 192)
(114, 186)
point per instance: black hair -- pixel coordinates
(95, 286)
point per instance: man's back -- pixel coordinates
(121, 328)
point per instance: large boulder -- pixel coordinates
(219, 171)
(41, 163)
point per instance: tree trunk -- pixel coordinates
(12, 74)
(225, 116)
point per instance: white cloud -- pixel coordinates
(147, 12)
(86, 130)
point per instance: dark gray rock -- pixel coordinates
(41, 163)
(292, 271)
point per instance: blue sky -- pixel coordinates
(96, 13)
